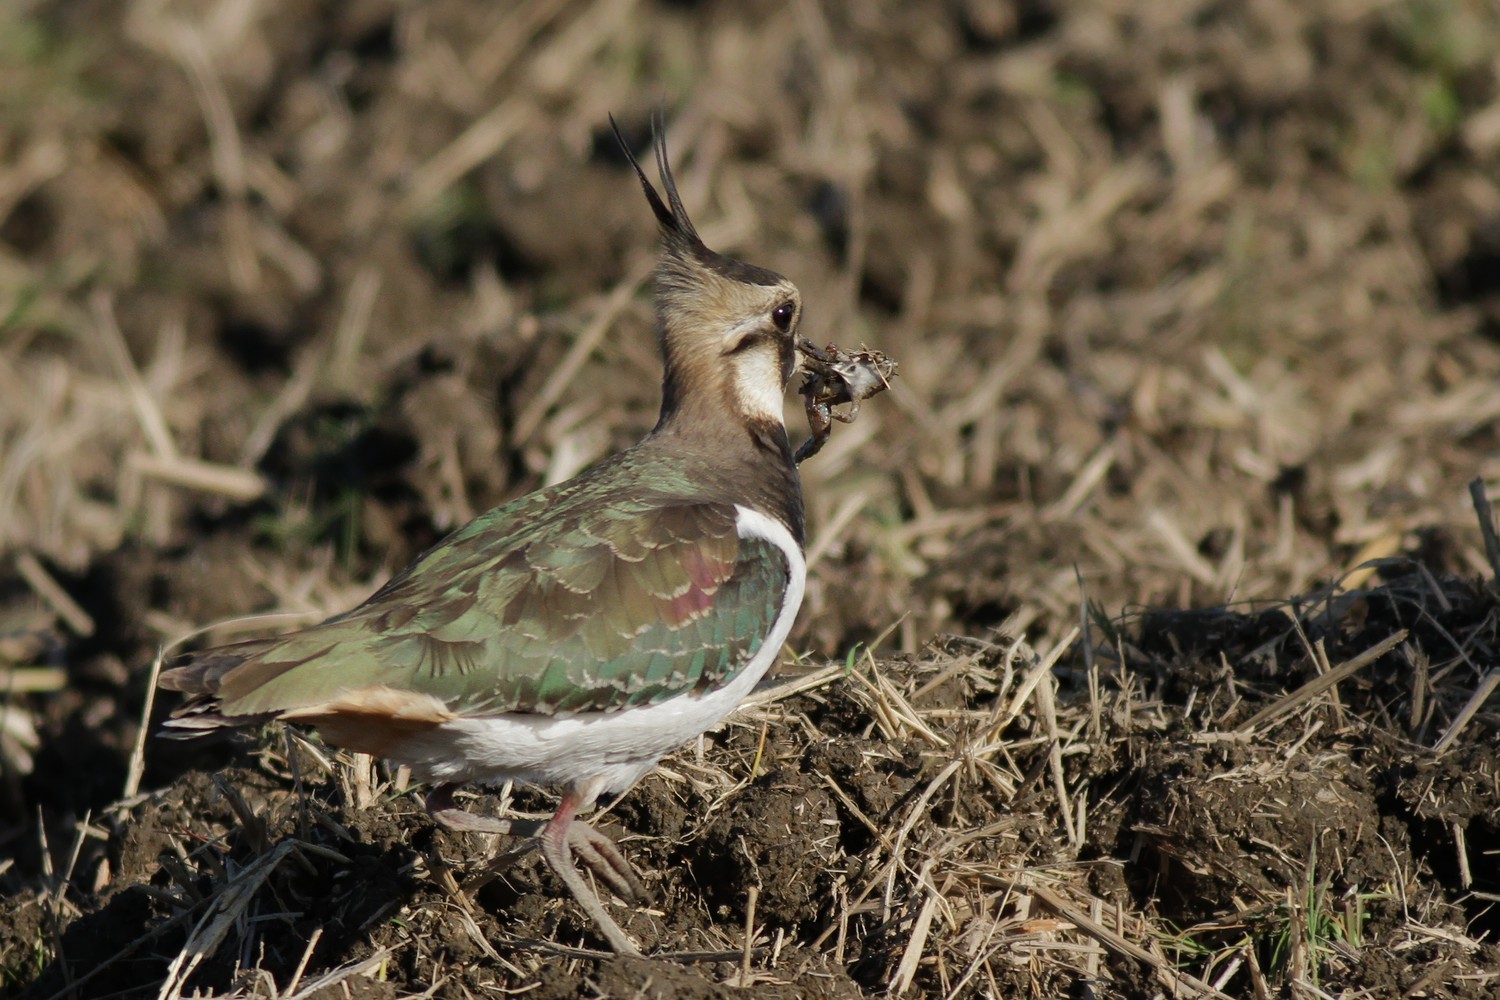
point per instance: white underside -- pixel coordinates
(603, 752)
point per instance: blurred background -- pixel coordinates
(1194, 302)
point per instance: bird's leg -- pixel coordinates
(592, 848)
(446, 813)
(560, 838)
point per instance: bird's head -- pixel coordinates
(728, 329)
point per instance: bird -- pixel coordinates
(573, 637)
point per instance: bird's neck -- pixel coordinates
(745, 458)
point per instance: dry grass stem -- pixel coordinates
(56, 597)
(1324, 682)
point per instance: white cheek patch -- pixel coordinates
(755, 376)
(758, 386)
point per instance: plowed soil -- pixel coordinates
(1150, 646)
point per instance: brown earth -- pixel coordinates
(1198, 314)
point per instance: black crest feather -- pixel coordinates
(676, 228)
(670, 214)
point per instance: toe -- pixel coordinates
(603, 857)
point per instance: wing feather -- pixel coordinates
(633, 603)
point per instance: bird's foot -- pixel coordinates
(446, 813)
(602, 856)
(561, 839)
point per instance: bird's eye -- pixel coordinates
(782, 316)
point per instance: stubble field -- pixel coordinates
(1150, 646)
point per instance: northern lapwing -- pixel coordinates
(573, 637)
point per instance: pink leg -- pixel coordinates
(560, 837)
(445, 812)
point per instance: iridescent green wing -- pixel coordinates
(555, 604)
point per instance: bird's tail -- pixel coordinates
(199, 676)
